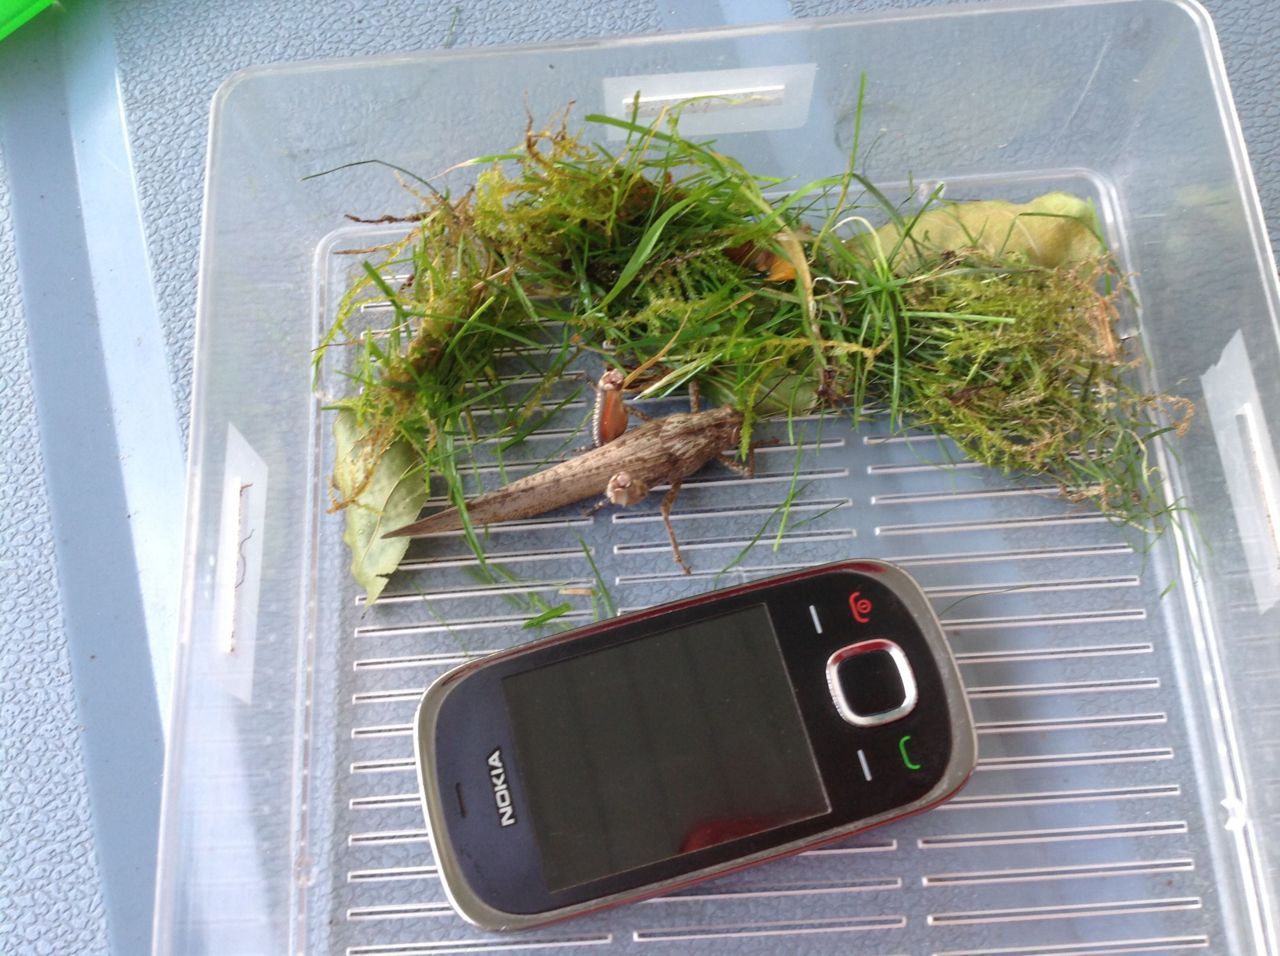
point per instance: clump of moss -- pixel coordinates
(995, 327)
(1048, 390)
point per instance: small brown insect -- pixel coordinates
(668, 449)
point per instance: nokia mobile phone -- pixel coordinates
(651, 751)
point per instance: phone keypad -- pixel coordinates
(871, 683)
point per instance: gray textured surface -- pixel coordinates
(1249, 33)
(172, 58)
(49, 890)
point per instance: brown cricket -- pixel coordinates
(666, 449)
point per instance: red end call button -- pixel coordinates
(860, 607)
(871, 683)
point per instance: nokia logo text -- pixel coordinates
(501, 794)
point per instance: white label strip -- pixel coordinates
(239, 570)
(1249, 465)
(715, 101)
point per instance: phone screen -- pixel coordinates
(661, 746)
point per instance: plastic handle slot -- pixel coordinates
(1260, 477)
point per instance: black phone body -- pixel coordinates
(658, 749)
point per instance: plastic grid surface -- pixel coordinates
(1078, 834)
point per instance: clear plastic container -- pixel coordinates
(1128, 799)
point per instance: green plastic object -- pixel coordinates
(14, 13)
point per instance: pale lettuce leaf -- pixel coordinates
(393, 496)
(1053, 230)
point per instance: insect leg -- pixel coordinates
(746, 471)
(668, 500)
